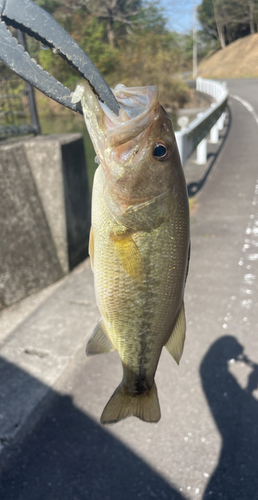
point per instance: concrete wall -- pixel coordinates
(44, 212)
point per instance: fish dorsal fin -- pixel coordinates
(175, 343)
(99, 342)
(91, 248)
(129, 255)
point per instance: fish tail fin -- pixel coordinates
(122, 405)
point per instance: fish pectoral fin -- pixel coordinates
(175, 343)
(122, 405)
(91, 248)
(99, 343)
(129, 255)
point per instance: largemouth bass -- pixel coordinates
(139, 243)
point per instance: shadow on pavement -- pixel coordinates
(194, 187)
(68, 456)
(235, 412)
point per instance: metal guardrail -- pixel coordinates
(14, 110)
(18, 114)
(211, 120)
(14, 130)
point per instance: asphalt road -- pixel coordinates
(205, 445)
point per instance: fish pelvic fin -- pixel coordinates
(175, 343)
(121, 405)
(99, 342)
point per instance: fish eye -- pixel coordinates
(161, 151)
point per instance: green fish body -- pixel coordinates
(139, 247)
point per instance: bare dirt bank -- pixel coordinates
(237, 60)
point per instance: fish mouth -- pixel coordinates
(119, 139)
(138, 109)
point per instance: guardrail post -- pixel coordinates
(214, 134)
(221, 122)
(198, 129)
(179, 140)
(202, 152)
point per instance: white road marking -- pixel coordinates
(247, 105)
(248, 264)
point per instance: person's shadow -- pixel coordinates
(63, 454)
(235, 411)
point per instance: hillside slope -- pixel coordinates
(237, 60)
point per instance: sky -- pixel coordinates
(180, 14)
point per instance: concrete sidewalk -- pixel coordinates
(41, 335)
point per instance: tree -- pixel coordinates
(228, 20)
(251, 15)
(114, 12)
(206, 17)
(219, 23)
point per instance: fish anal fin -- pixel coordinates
(99, 343)
(122, 405)
(175, 343)
(91, 248)
(129, 255)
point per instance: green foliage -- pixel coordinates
(207, 45)
(48, 5)
(207, 18)
(58, 68)
(151, 18)
(146, 53)
(46, 59)
(151, 55)
(93, 42)
(185, 43)
(153, 59)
